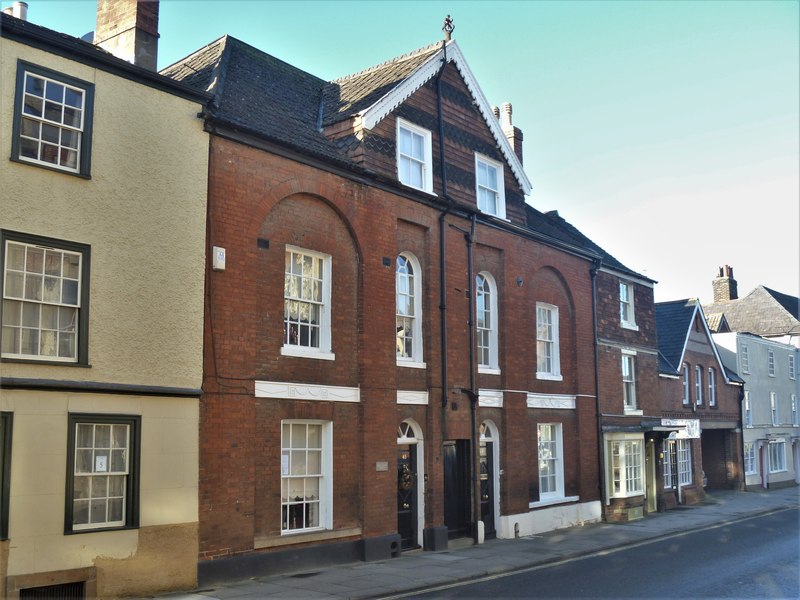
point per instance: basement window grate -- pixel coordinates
(62, 591)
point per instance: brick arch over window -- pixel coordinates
(304, 225)
(549, 288)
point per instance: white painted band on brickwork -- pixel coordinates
(306, 391)
(411, 397)
(551, 401)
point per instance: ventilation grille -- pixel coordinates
(62, 591)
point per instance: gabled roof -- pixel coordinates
(762, 312)
(674, 322)
(383, 88)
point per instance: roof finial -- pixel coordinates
(448, 28)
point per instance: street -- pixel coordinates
(757, 557)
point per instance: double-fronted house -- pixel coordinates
(760, 334)
(770, 417)
(102, 220)
(399, 350)
(701, 444)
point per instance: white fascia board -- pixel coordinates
(627, 277)
(380, 109)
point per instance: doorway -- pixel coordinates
(457, 496)
(410, 509)
(650, 466)
(489, 480)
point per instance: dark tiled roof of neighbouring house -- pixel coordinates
(551, 221)
(348, 96)
(762, 312)
(261, 94)
(673, 320)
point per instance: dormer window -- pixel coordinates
(414, 158)
(489, 187)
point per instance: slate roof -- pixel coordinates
(261, 94)
(554, 224)
(673, 321)
(346, 97)
(266, 96)
(762, 312)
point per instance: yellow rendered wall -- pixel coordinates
(143, 214)
(168, 488)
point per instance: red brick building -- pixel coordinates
(398, 351)
(700, 398)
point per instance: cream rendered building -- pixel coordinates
(102, 224)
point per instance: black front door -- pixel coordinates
(407, 495)
(487, 489)
(456, 488)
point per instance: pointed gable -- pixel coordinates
(677, 322)
(371, 95)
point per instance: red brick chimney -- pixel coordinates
(724, 285)
(513, 134)
(128, 29)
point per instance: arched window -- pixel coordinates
(408, 293)
(486, 319)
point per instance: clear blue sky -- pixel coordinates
(666, 131)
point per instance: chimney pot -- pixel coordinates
(505, 114)
(496, 112)
(18, 10)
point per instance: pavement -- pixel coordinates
(417, 570)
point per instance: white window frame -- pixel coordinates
(745, 358)
(626, 300)
(630, 402)
(747, 410)
(626, 478)
(415, 317)
(323, 349)
(40, 291)
(499, 193)
(555, 448)
(94, 464)
(777, 456)
(487, 326)
(684, 457)
(795, 415)
(771, 362)
(698, 385)
(712, 386)
(686, 385)
(52, 129)
(773, 405)
(545, 343)
(291, 452)
(426, 163)
(750, 460)
(791, 367)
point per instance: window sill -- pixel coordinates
(289, 538)
(39, 361)
(488, 371)
(430, 192)
(633, 413)
(552, 501)
(412, 364)
(631, 326)
(549, 377)
(629, 495)
(300, 353)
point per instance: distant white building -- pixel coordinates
(770, 412)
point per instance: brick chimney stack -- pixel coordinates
(513, 134)
(128, 29)
(724, 285)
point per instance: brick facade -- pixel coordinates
(260, 203)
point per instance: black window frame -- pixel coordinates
(85, 154)
(6, 430)
(83, 312)
(134, 461)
